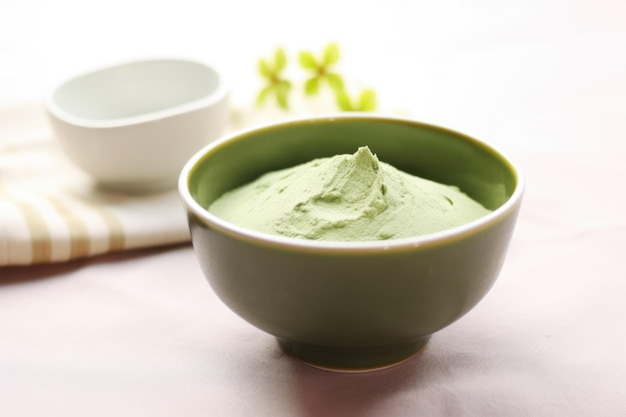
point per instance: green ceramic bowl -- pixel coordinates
(352, 305)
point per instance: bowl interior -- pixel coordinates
(424, 150)
(135, 88)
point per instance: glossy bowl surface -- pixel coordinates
(134, 125)
(352, 305)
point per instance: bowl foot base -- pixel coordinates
(352, 359)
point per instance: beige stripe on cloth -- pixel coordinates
(52, 212)
(40, 241)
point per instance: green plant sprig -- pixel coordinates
(276, 84)
(321, 69)
(321, 72)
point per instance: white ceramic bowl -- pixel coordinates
(134, 125)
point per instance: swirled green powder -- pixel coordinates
(348, 198)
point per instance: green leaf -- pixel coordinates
(280, 59)
(307, 60)
(335, 81)
(262, 96)
(312, 86)
(281, 99)
(331, 54)
(343, 100)
(284, 85)
(264, 68)
(282, 91)
(367, 101)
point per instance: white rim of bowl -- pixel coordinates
(396, 245)
(222, 91)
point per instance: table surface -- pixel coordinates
(141, 332)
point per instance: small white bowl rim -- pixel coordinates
(217, 95)
(373, 246)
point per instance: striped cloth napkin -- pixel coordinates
(52, 212)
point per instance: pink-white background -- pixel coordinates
(141, 333)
